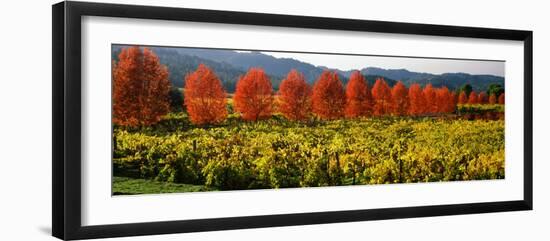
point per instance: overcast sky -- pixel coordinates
(434, 66)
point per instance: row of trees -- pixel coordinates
(141, 95)
(254, 98)
(481, 98)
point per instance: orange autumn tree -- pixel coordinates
(445, 100)
(400, 99)
(140, 88)
(328, 97)
(204, 97)
(295, 96)
(417, 102)
(492, 99)
(381, 94)
(358, 96)
(462, 99)
(501, 99)
(430, 97)
(472, 99)
(254, 95)
(482, 98)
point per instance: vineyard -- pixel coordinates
(276, 153)
(328, 134)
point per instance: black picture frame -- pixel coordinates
(66, 128)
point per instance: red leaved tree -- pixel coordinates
(431, 100)
(254, 95)
(295, 96)
(501, 99)
(381, 94)
(482, 98)
(462, 99)
(445, 100)
(472, 99)
(417, 102)
(400, 99)
(492, 99)
(140, 88)
(204, 96)
(358, 96)
(329, 97)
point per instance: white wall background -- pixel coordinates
(25, 119)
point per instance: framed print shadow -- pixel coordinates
(172, 120)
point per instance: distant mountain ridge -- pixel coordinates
(400, 74)
(245, 60)
(229, 65)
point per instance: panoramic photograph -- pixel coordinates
(187, 119)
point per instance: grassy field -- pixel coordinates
(131, 186)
